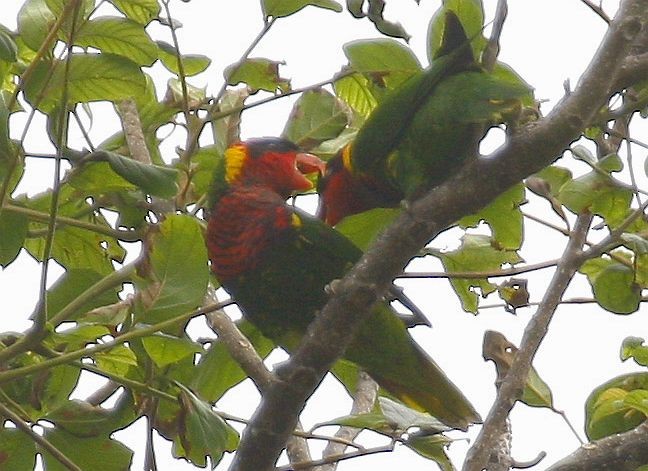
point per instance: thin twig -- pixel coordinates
(598, 10)
(40, 440)
(337, 458)
(125, 235)
(480, 274)
(10, 375)
(489, 57)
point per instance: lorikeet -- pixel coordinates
(422, 132)
(277, 260)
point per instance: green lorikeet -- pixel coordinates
(423, 131)
(277, 260)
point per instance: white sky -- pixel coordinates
(548, 43)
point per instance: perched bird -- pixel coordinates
(422, 132)
(277, 260)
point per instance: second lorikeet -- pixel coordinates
(277, 260)
(422, 132)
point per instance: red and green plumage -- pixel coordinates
(276, 261)
(422, 132)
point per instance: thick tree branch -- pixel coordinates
(620, 452)
(532, 148)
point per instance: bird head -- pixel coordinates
(271, 161)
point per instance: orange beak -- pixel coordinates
(309, 163)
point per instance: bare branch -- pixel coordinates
(363, 401)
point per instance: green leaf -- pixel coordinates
(636, 243)
(471, 15)
(59, 382)
(258, 74)
(87, 453)
(98, 178)
(616, 406)
(384, 61)
(73, 283)
(118, 36)
(8, 47)
(227, 129)
(613, 285)
(388, 28)
(389, 417)
(13, 227)
(279, 8)
(118, 360)
(152, 179)
(35, 20)
(504, 217)
(432, 447)
(363, 228)
(91, 250)
(77, 337)
(91, 77)
(83, 419)
(633, 347)
(356, 92)
(142, 11)
(192, 64)
(555, 176)
(217, 371)
(166, 349)
(17, 450)
(203, 433)
(316, 117)
(476, 253)
(178, 271)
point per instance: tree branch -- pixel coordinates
(531, 149)
(620, 452)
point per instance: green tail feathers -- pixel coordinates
(384, 348)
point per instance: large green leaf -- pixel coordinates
(504, 217)
(13, 227)
(258, 74)
(72, 284)
(384, 61)
(316, 117)
(87, 453)
(362, 229)
(476, 253)
(279, 8)
(356, 91)
(613, 285)
(178, 271)
(166, 349)
(192, 64)
(142, 11)
(432, 447)
(118, 360)
(217, 371)
(91, 77)
(17, 450)
(8, 47)
(83, 419)
(617, 406)
(203, 433)
(152, 179)
(35, 20)
(118, 36)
